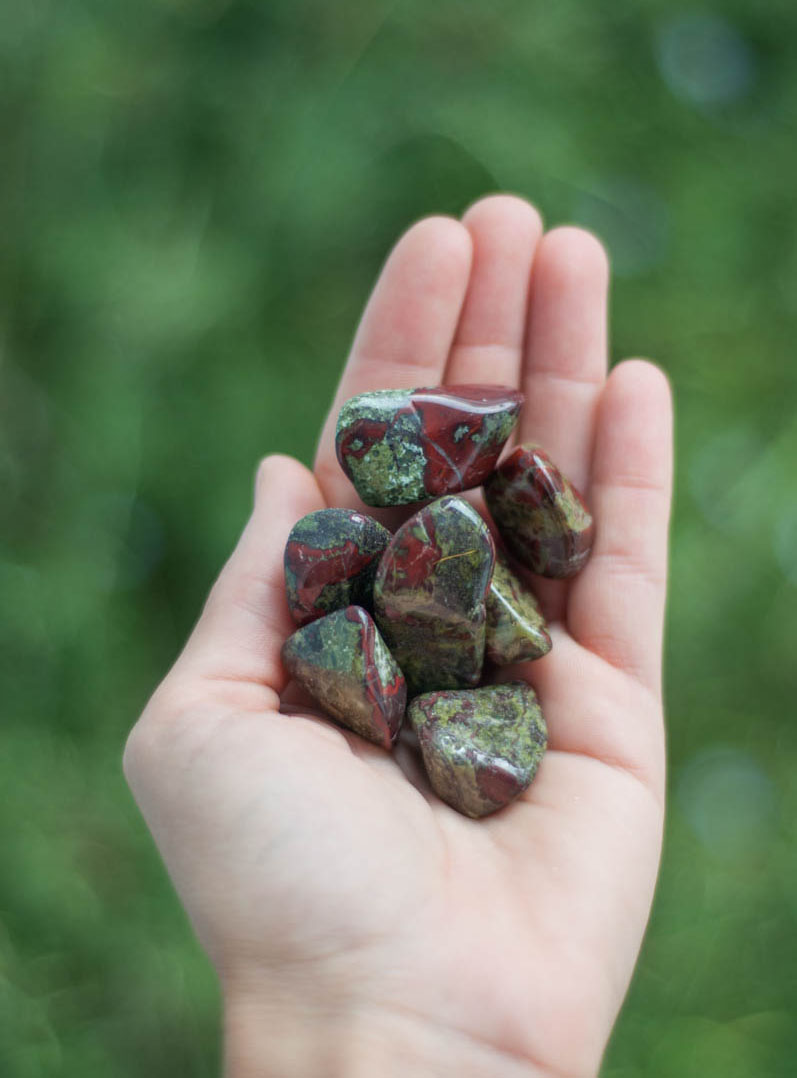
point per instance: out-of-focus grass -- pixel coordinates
(195, 198)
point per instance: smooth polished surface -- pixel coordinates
(330, 562)
(402, 446)
(429, 595)
(342, 661)
(516, 630)
(541, 516)
(481, 747)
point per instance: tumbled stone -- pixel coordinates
(481, 747)
(330, 562)
(404, 445)
(516, 630)
(343, 663)
(429, 595)
(541, 516)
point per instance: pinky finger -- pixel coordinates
(616, 606)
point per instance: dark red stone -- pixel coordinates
(330, 562)
(402, 446)
(541, 516)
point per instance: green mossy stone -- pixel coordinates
(344, 664)
(516, 630)
(407, 445)
(429, 595)
(481, 747)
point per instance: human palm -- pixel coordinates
(358, 923)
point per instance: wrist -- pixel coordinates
(279, 1034)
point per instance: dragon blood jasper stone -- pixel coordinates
(429, 595)
(330, 562)
(541, 516)
(342, 661)
(516, 629)
(406, 445)
(481, 747)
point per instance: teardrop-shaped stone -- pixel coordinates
(343, 663)
(481, 747)
(330, 562)
(429, 595)
(405, 445)
(541, 516)
(516, 630)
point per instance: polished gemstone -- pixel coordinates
(343, 663)
(516, 630)
(330, 562)
(481, 747)
(541, 516)
(405, 445)
(429, 595)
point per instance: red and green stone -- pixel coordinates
(516, 630)
(344, 664)
(400, 446)
(429, 595)
(541, 516)
(331, 559)
(481, 747)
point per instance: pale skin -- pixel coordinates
(360, 926)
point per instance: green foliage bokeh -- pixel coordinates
(195, 198)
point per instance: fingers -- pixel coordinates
(488, 347)
(616, 605)
(246, 618)
(406, 331)
(566, 354)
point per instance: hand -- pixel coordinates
(358, 924)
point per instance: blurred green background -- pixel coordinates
(195, 197)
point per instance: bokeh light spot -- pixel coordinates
(728, 800)
(704, 59)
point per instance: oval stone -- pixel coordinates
(516, 630)
(343, 663)
(331, 560)
(541, 516)
(429, 595)
(405, 445)
(481, 747)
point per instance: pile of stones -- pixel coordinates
(425, 615)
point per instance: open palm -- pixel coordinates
(360, 925)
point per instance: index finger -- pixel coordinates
(405, 333)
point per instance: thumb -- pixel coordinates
(246, 618)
